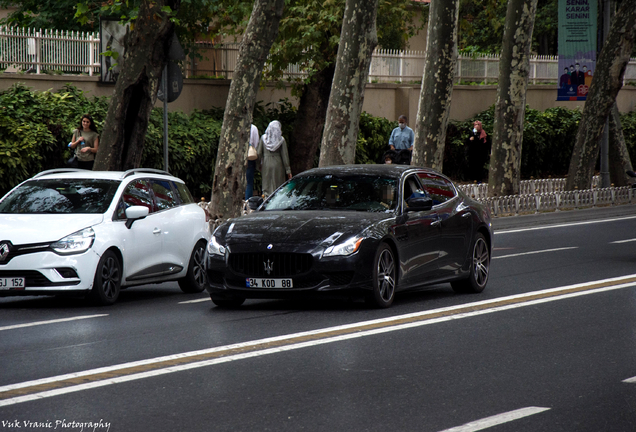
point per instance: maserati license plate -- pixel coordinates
(268, 283)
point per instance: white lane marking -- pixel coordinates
(623, 241)
(497, 419)
(535, 252)
(55, 321)
(631, 380)
(509, 231)
(196, 301)
(277, 349)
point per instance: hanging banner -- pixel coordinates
(577, 48)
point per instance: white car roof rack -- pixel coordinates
(145, 170)
(57, 171)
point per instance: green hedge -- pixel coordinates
(35, 128)
(548, 140)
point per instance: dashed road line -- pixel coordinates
(196, 301)
(535, 252)
(497, 419)
(55, 321)
(565, 225)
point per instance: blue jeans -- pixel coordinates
(249, 177)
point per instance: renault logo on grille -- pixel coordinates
(4, 251)
(269, 266)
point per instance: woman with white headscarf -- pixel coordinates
(272, 152)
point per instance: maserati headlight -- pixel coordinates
(75, 243)
(214, 248)
(346, 248)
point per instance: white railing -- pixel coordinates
(396, 66)
(41, 51)
(557, 201)
(526, 187)
(545, 195)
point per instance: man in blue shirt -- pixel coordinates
(402, 136)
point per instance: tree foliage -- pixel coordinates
(481, 26)
(310, 33)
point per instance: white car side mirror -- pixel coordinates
(134, 213)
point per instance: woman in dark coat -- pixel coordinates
(478, 153)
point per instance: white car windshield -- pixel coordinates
(60, 196)
(329, 192)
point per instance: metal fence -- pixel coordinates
(395, 66)
(42, 51)
(545, 195)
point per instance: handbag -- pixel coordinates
(251, 154)
(72, 161)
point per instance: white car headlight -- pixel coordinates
(75, 243)
(346, 248)
(214, 248)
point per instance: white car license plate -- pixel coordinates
(268, 283)
(11, 283)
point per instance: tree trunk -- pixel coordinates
(606, 83)
(618, 154)
(228, 186)
(437, 84)
(510, 107)
(122, 142)
(310, 121)
(358, 39)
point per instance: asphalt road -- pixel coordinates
(548, 346)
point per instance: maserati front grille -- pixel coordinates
(270, 265)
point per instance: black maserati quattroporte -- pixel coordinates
(352, 231)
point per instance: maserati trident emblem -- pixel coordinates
(4, 251)
(269, 266)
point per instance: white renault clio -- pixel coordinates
(95, 232)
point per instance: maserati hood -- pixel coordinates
(298, 227)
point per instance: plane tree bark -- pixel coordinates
(310, 120)
(606, 83)
(228, 185)
(147, 44)
(437, 84)
(619, 160)
(358, 39)
(514, 66)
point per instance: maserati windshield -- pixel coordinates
(329, 192)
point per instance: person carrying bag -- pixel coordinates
(85, 143)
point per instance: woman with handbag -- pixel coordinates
(85, 143)
(251, 157)
(272, 151)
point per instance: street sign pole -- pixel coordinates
(170, 89)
